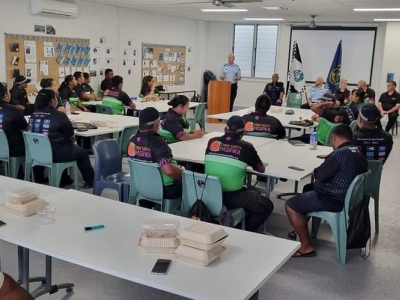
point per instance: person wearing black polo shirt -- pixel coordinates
(12, 122)
(116, 98)
(19, 97)
(260, 122)
(371, 140)
(148, 88)
(50, 83)
(175, 127)
(87, 87)
(227, 158)
(357, 99)
(58, 128)
(343, 90)
(275, 90)
(148, 146)
(328, 192)
(67, 94)
(389, 104)
(106, 84)
(81, 93)
(369, 93)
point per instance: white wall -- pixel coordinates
(118, 25)
(220, 45)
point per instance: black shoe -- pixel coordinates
(66, 180)
(42, 180)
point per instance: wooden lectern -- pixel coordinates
(219, 94)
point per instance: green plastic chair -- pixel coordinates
(11, 164)
(199, 117)
(211, 190)
(372, 186)
(338, 221)
(39, 153)
(126, 135)
(104, 109)
(74, 101)
(294, 100)
(325, 131)
(146, 184)
(353, 125)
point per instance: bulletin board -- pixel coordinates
(164, 62)
(37, 57)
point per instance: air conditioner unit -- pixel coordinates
(54, 8)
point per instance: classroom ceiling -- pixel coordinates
(298, 10)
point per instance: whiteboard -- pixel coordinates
(317, 48)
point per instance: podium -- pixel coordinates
(219, 94)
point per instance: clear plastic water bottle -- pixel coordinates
(68, 108)
(313, 141)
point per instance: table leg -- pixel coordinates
(25, 269)
(296, 188)
(255, 296)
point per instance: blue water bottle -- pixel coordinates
(313, 141)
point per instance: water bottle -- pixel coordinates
(68, 108)
(313, 141)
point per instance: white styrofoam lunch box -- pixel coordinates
(158, 245)
(197, 256)
(23, 195)
(203, 233)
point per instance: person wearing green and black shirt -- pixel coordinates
(147, 146)
(80, 91)
(175, 127)
(357, 99)
(116, 98)
(67, 93)
(227, 158)
(389, 104)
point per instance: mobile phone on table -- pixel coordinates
(323, 156)
(296, 168)
(161, 267)
(2, 223)
(74, 113)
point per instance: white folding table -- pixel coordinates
(249, 261)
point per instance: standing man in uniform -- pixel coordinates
(231, 72)
(19, 97)
(275, 90)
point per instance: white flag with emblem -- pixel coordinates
(296, 76)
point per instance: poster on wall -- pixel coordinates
(31, 73)
(30, 51)
(44, 68)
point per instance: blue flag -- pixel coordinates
(333, 80)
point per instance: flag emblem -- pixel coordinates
(298, 75)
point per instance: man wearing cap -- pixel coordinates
(315, 94)
(389, 104)
(10, 290)
(231, 72)
(149, 147)
(371, 140)
(227, 158)
(332, 110)
(19, 97)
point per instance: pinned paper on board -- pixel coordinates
(153, 73)
(49, 51)
(61, 72)
(31, 73)
(44, 68)
(73, 70)
(30, 51)
(153, 64)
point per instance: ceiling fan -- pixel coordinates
(225, 3)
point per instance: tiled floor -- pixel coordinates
(321, 277)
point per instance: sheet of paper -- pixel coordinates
(61, 72)
(60, 81)
(146, 73)
(37, 86)
(44, 68)
(79, 69)
(73, 70)
(165, 78)
(30, 51)
(67, 71)
(31, 73)
(49, 51)
(145, 63)
(159, 78)
(171, 77)
(86, 70)
(153, 73)
(153, 64)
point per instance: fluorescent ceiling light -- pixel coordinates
(276, 8)
(387, 20)
(377, 9)
(225, 10)
(264, 19)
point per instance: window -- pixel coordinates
(255, 49)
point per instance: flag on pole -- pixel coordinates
(333, 80)
(296, 76)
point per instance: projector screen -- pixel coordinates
(318, 46)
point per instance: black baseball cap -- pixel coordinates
(21, 79)
(236, 124)
(327, 97)
(369, 112)
(149, 116)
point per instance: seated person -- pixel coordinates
(106, 84)
(389, 104)
(12, 122)
(68, 95)
(345, 114)
(332, 180)
(87, 88)
(11, 290)
(231, 169)
(148, 89)
(175, 127)
(19, 97)
(332, 110)
(116, 97)
(275, 90)
(50, 83)
(344, 91)
(157, 151)
(58, 128)
(315, 94)
(369, 93)
(371, 140)
(82, 94)
(260, 122)
(357, 98)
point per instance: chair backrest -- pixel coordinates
(260, 134)
(294, 100)
(4, 149)
(199, 113)
(373, 181)
(38, 148)
(167, 136)
(117, 106)
(329, 137)
(126, 135)
(194, 185)
(325, 131)
(146, 179)
(108, 158)
(355, 192)
(74, 101)
(353, 125)
(104, 109)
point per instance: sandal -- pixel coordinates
(301, 254)
(292, 235)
